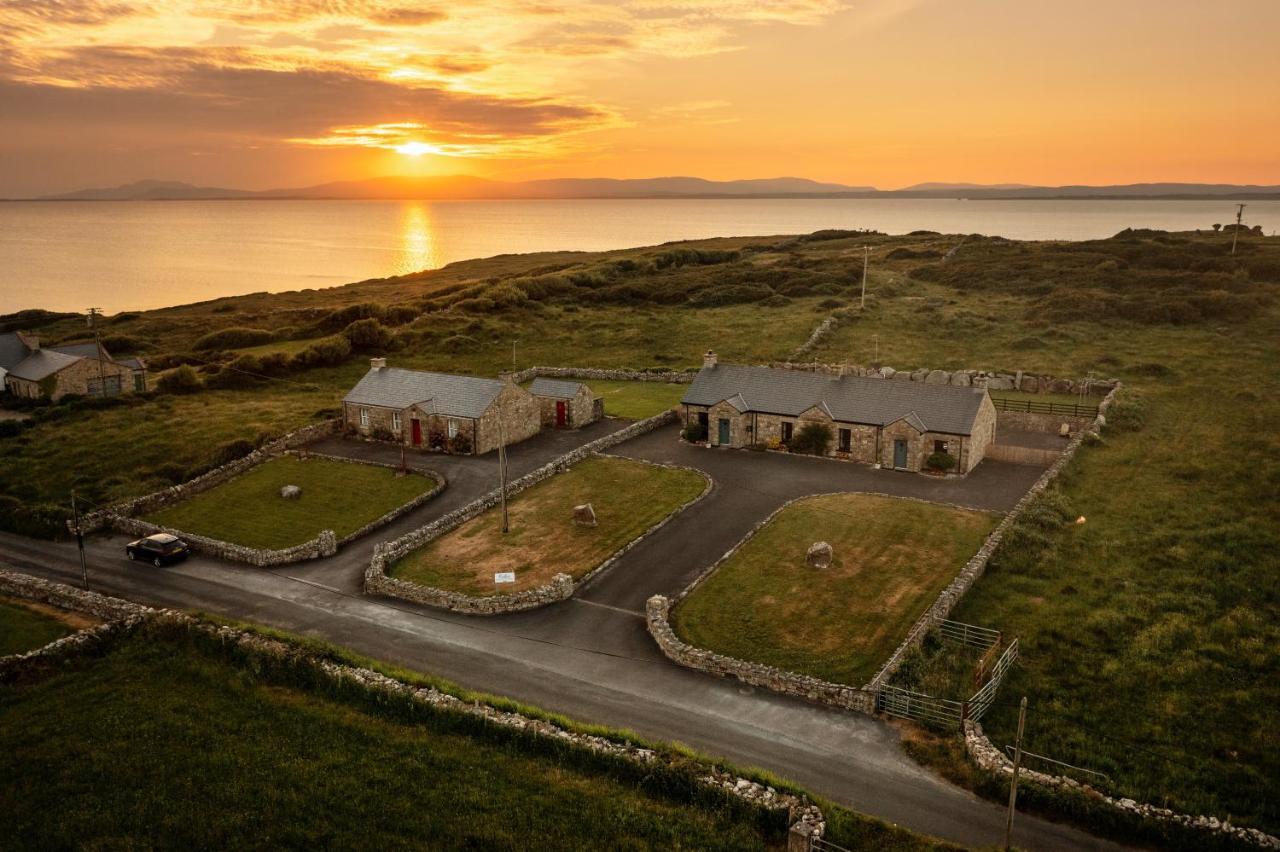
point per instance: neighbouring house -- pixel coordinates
(432, 410)
(877, 421)
(566, 404)
(30, 371)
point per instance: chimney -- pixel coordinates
(31, 339)
(507, 376)
(709, 360)
(378, 363)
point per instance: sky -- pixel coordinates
(261, 94)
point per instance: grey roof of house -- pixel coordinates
(555, 388)
(41, 364)
(849, 399)
(131, 363)
(12, 350)
(80, 350)
(437, 393)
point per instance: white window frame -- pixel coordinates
(395, 421)
(364, 418)
(452, 428)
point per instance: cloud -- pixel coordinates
(295, 11)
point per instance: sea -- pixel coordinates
(72, 255)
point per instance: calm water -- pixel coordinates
(118, 256)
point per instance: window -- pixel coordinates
(846, 440)
(453, 428)
(786, 431)
(703, 419)
(395, 421)
(364, 417)
(939, 446)
(139, 382)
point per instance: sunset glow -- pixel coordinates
(264, 93)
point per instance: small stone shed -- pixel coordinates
(30, 371)
(418, 408)
(566, 404)
(873, 420)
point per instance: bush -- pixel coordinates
(460, 444)
(811, 439)
(343, 317)
(459, 343)
(232, 451)
(1128, 413)
(35, 520)
(695, 433)
(435, 440)
(181, 380)
(382, 433)
(941, 461)
(329, 352)
(368, 335)
(233, 338)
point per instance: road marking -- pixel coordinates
(607, 606)
(313, 583)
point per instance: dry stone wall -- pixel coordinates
(679, 377)
(376, 580)
(805, 818)
(990, 379)
(988, 757)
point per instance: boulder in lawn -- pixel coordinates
(584, 515)
(819, 555)
(291, 492)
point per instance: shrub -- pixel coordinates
(400, 315)
(343, 317)
(812, 439)
(695, 433)
(1128, 412)
(435, 440)
(459, 343)
(35, 520)
(460, 444)
(324, 353)
(181, 380)
(382, 433)
(232, 451)
(941, 461)
(368, 335)
(233, 338)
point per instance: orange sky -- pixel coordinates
(271, 93)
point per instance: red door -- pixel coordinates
(561, 413)
(417, 432)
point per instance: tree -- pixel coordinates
(811, 439)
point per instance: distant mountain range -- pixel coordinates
(468, 187)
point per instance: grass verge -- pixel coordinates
(25, 625)
(628, 497)
(249, 510)
(840, 623)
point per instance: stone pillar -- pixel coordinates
(327, 542)
(800, 837)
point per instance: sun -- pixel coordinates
(416, 149)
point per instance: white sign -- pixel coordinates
(504, 577)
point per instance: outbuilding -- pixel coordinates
(566, 404)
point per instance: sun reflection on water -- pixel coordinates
(417, 238)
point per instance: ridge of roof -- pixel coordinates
(451, 394)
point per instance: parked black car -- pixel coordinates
(159, 549)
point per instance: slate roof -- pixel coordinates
(80, 350)
(849, 399)
(41, 364)
(12, 350)
(554, 388)
(435, 393)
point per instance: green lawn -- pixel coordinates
(249, 510)
(628, 496)
(25, 626)
(840, 623)
(162, 745)
(637, 400)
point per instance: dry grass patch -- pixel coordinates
(892, 558)
(628, 496)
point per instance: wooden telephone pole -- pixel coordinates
(94, 313)
(84, 566)
(1017, 764)
(502, 471)
(866, 258)
(1239, 219)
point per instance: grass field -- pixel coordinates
(336, 496)
(161, 745)
(25, 626)
(840, 623)
(628, 497)
(637, 400)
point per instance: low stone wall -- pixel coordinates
(679, 377)
(403, 509)
(1022, 455)
(988, 757)
(1022, 421)
(819, 334)
(991, 380)
(806, 819)
(974, 568)
(324, 544)
(376, 580)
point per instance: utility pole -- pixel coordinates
(866, 256)
(94, 313)
(84, 566)
(502, 472)
(1239, 219)
(513, 352)
(1017, 764)
(875, 359)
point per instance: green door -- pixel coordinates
(899, 452)
(724, 432)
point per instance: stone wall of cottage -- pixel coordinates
(519, 413)
(74, 379)
(579, 410)
(984, 434)
(739, 425)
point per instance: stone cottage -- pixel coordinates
(566, 404)
(430, 410)
(30, 371)
(872, 420)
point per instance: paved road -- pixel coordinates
(590, 657)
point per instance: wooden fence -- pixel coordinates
(1034, 406)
